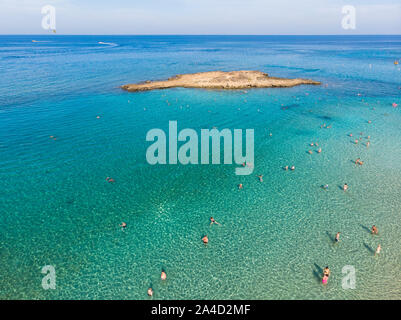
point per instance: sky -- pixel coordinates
(267, 17)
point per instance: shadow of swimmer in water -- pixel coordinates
(188, 153)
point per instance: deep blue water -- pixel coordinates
(57, 208)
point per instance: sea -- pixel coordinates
(66, 126)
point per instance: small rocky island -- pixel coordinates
(219, 80)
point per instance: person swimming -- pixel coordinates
(240, 186)
(150, 292)
(378, 249)
(123, 225)
(345, 187)
(205, 239)
(285, 168)
(213, 221)
(337, 239)
(326, 271)
(293, 168)
(374, 230)
(325, 187)
(111, 180)
(163, 275)
(260, 177)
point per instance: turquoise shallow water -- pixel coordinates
(57, 208)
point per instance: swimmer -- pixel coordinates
(374, 230)
(337, 239)
(312, 144)
(326, 272)
(98, 117)
(310, 151)
(293, 168)
(212, 221)
(378, 249)
(325, 187)
(205, 239)
(286, 168)
(123, 225)
(356, 141)
(320, 150)
(240, 186)
(260, 177)
(345, 187)
(394, 105)
(370, 121)
(367, 144)
(111, 180)
(150, 292)
(163, 276)
(350, 134)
